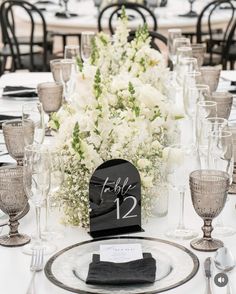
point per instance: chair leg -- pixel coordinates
(232, 62)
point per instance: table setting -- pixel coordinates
(117, 174)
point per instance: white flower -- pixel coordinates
(143, 163)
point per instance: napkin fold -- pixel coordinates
(126, 273)
(63, 15)
(19, 91)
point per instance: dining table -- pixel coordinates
(87, 14)
(15, 271)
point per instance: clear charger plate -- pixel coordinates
(176, 265)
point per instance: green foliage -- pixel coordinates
(97, 88)
(79, 62)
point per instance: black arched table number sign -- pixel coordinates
(115, 199)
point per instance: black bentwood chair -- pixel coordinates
(216, 39)
(28, 51)
(137, 13)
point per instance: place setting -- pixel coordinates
(117, 167)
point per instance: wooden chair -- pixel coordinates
(133, 10)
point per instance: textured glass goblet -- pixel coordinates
(72, 52)
(51, 96)
(224, 102)
(208, 192)
(198, 51)
(12, 202)
(55, 67)
(13, 132)
(211, 76)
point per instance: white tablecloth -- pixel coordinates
(14, 265)
(167, 17)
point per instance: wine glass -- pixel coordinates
(211, 76)
(50, 95)
(178, 42)
(172, 34)
(220, 157)
(36, 177)
(33, 115)
(181, 161)
(86, 45)
(71, 52)
(198, 51)
(191, 12)
(185, 65)
(57, 178)
(224, 102)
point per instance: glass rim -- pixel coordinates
(57, 60)
(49, 85)
(10, 121)
(207, 103)
(200, 87)
(184, 48)
(210, 68)
(197, 174)
(217, 120)
(180, 39)
(225, 94)
(221, 134)
(193, 73)
(198, 45)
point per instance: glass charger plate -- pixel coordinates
(175, 266)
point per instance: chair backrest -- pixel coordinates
(226, 47)
(8, 14)
(135, 12)
(158, 41)
(208, 13)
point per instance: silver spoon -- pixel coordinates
(225, 261)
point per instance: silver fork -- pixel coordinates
(35, 266)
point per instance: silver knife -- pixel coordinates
(207, 267)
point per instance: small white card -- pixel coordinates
(120, 252)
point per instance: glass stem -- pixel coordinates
(47, 202)
(38, 232)
(181, 225)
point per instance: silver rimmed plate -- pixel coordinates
(175, 266)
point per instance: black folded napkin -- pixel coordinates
(65, 15)
(23, 91)
(126, 273)
(4, 117)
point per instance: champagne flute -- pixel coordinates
(181, 161)
(33, 115)
(36, 178)
(57, 178)
(220, 157)
(172, 34)
(68, 69)
(86, 45)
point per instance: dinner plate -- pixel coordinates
(176, 265)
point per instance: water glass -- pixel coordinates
(33, 116)
(198, 52)
(224, 102)
(211, 76)
(185, 65)
(86, 45)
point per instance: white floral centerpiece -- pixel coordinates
(119, 110)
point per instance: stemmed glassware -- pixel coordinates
(220, 157)
(71, 52)
(57, 178)
(181, 161)
(198, 51)
(33, 116)
(208, 125)
(178, 42)
(208, 192)
(13, 201)
(191, 12)
(86, 45)
(16, 134)
(50, 95)
(224, 102)
(68, 68)
(211, 76)
(172, 34)
(55, 67)
(185, 65)
(36, 177)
